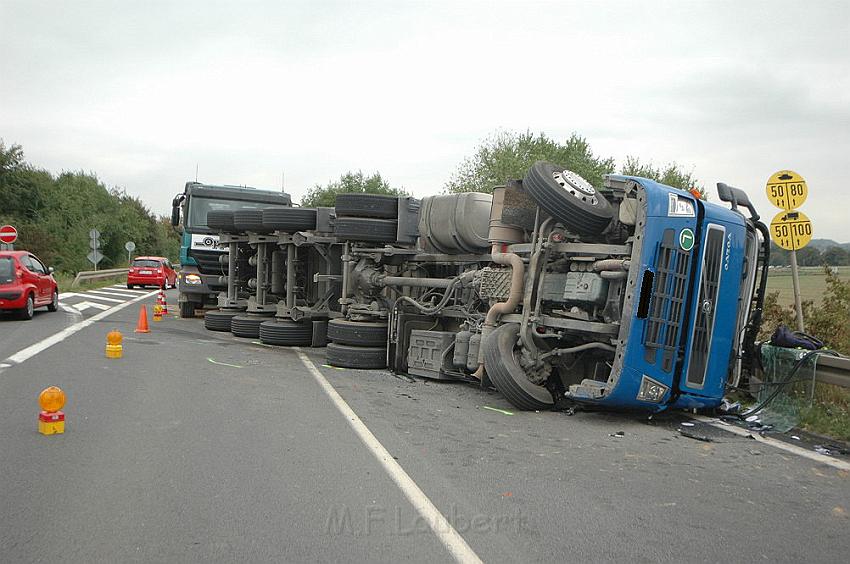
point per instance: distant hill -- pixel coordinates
(823, 244)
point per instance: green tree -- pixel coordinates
(54, 215)
(670, 174)
(507, 155)
(809, 256)
(321, 196)
(836, 256)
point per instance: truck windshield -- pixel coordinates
(199, 207)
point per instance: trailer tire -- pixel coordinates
(250, 220)
(582, 209)
(346, 356)
(221, 220)
(218, 320)
(290, 220)
(366, 205)
(287, 333)
(506, 374)
(247, 325)
(357, 333)
(366, 229)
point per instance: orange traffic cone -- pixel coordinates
(142, 325)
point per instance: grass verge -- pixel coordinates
(64, 281)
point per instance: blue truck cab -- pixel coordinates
(203, 271)
(691, 306)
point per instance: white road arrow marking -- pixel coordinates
(85, 305)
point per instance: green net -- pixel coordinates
(783, 412)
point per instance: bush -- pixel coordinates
(828, 321)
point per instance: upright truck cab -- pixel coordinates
(204, 264)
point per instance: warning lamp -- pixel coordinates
(114, 349)
(51, 421)
(696, 193)
(51, 399)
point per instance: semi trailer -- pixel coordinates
(630, 295)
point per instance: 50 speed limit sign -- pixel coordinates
(791, 230)
(786, 190)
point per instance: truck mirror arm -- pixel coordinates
(736, 196)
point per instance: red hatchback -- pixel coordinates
(151, 271)
(25, 284)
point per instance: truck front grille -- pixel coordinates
(208, 262)
(664, 322)
(712, 263)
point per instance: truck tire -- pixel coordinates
(221, 220)
(286, 333)
(289, 220)
(219, 320)
(506, 374)
(247, 325)
(250, 220)
(345, 356)
(568, 198)
(366, 229)
(366, 205)
(358, 333)
(187, 310)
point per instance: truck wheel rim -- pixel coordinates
(576, 186)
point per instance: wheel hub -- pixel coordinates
(576, 185)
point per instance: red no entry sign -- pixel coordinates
(8, 234)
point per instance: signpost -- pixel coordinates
(95, 256)
(129, 246)
(790, 228)
(8, 235)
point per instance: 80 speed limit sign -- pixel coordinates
(791, 230)
(786, 190)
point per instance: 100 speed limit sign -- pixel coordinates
(791, 230)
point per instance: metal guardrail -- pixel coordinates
(97, 274)
(833, 370)
(827, 369)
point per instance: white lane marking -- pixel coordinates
(68, 295)
(82, 306)
(441, 527)
(111, 292)
(34, 349)
(101, 298)
(4, 365)
(794, 449)
(123, 289)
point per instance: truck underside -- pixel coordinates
(633, 295)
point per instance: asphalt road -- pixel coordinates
(198, 446)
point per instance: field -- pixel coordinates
(812, 282)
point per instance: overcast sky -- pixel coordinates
(141, 92)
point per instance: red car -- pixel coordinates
(151, 271)
(25, 284)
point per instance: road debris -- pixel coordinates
(695, 436)
(212, 360)
(497, 410)
(618, 434)
(686, 424)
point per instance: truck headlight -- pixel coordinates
(651, 390)
(192, 279)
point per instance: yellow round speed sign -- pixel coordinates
(791, 230)
(787, 190)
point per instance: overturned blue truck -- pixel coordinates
(630, 295)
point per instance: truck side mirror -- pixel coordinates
(736, 196)
(175, 209)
